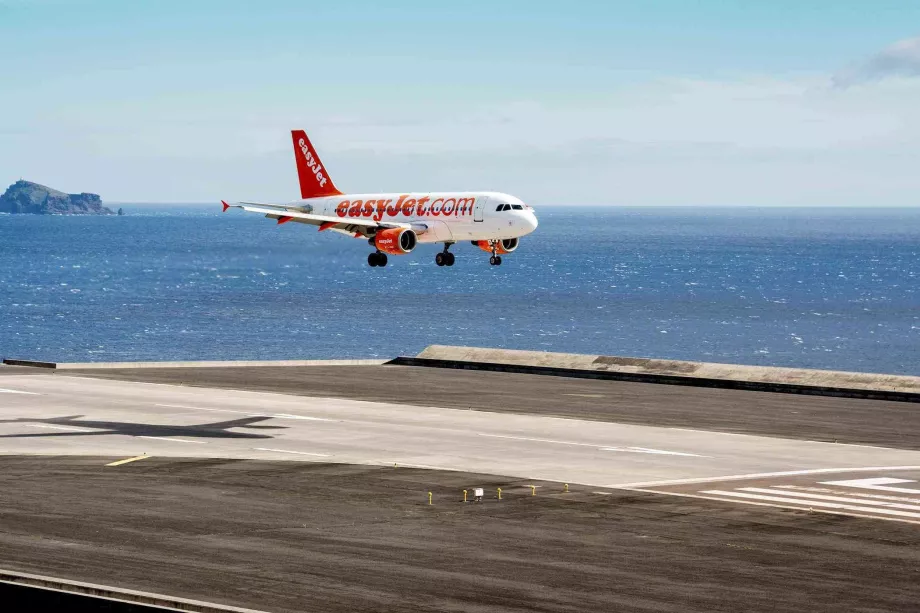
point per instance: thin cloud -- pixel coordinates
(901, 59)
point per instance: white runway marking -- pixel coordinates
(653, 451)
(786, 473)
(827, 490)
(319, 455)
(72, 429)
(175, 440)
(858, 507)
(288, 416)
(808, 497)
(601, 447)
(247, 413)
(879, 483)
(6, 391)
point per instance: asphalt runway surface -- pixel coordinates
(305, 488)
(294, 536)
(67, 415)
(846, 420)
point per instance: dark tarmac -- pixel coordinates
(845, 420)
(283, 537)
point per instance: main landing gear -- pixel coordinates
(445, 258)
(377, 259)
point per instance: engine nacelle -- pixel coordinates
(396, 241)
(505, 245)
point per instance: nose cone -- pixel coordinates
(530, 221)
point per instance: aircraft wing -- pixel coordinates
(284, 214)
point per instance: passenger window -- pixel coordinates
(517, 207)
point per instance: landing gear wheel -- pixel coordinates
(493, 261)
(377, 259)
(372, 259)
(441, 259)
(450, 259)
(498, 260)
(382, 259)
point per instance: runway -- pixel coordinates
(69, 415)
(223, 491)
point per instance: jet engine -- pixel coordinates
(395, 241)
(505, 245)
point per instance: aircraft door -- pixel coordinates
(479, 208)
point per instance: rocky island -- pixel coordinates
(32, 198)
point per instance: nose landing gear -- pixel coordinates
(495, 260)
(377, 259)
(445, 258)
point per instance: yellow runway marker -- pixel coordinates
(125, 461)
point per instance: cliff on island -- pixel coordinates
(35, 199)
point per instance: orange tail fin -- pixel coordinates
(314, 179)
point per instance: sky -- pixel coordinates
(642, 103)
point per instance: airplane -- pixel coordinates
(395, 223)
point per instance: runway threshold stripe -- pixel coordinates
(846, 499)
(808, 503)
(126, 460)
(786, 473)
(174, 440)
(319, 455)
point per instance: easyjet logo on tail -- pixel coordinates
(312, 163)
(314, 180)
(406, 206)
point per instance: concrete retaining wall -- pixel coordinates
(762, 378)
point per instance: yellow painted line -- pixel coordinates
(134, 459)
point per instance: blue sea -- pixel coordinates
(817, 288)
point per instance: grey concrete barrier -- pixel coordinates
(33, 363)
(641, 370)
(27, 589)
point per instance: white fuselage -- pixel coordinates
(435, 216)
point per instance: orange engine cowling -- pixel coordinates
(396, 241)
(505, 245)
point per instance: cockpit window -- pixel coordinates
(517, 207)
(500, 207)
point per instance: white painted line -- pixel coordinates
(827, 490)
(846, 499)
(826, 505)
(6, 391)
(72, 429)
(174, 440)
(879, 483)
(247, 413)
(182, 406)
(287, 416)
(776, 505)
(541, 440)
(319, 455)
(586, 395)
(786, 473)
(601, 447)
(653, 451)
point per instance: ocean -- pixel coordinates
(816, 288)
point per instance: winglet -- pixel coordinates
(226, 206)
